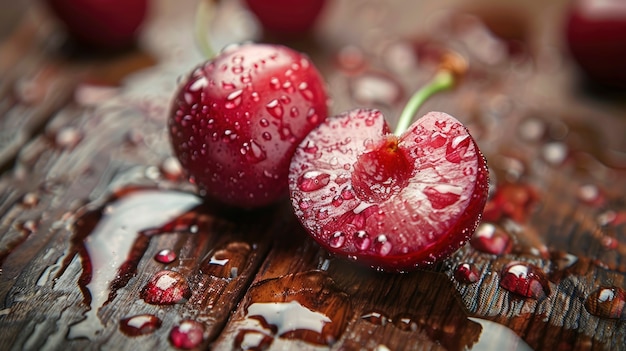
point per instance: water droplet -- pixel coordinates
(382, 245)
(607, 302)
(525, 279)
(233, 99)
(253, 152)
(187, 335)
(491, 239)
(337, 200)
(362, 240)
(313, 180)
(375, 317)
(171, 169)
(266, 136)
(275, 109)
(165, 256)
(309, 308)
(337, 240)
(306, 92)
(294, 112)
(141, 324)
(68, 138)
(554, 153)
(347, 193)
(275, 83)
(255, 96)
(467, 273)
(405, 322)
(443, 195)
(247, 339)
(228, 86)
(312, 116)
(30, 200)
(457, 149)
(166, 288)
(310, 147)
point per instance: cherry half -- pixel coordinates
(390, 201)
(238, 118)
(595, 33)
(102, 24)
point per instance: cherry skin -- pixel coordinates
(237, 119)
(596, 37)
(286, 17)
(391, 202)
(102, 24)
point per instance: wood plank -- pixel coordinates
(94, 194)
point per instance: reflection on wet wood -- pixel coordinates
(90, 195)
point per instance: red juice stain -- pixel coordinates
(467, 273)
(491, 239)
(525, 279)
(141, 324)
(111, 238)
(607, 302)
(166, 288)
(165, 256)
(187, 335)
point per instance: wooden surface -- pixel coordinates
(89, 192)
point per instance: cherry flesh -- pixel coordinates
(102, 24)
(237, 119)
(391, 202)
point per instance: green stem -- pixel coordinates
(443, 80)
(203, 19)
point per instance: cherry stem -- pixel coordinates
(443, 80)
(203, 19)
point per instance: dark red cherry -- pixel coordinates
(286, 17)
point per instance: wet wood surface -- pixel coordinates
(90, 193)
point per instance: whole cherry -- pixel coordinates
(286, 17)
(390, 201)
(101, 24)
(595, 33)
(237, 119)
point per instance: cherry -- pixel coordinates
(286, 17)
(103, 24)
(237, 119)
(595, 33)
(391, 201)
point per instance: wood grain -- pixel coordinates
(82, 136)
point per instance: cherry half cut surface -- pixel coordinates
(237, 119)
(101, 24)
(391, 202)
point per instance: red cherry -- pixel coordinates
(596, 37)
(393, 203)
(107, 24)
(286, 17)
(238, 118)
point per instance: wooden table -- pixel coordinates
(90, 193)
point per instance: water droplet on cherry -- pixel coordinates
(313, 180)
